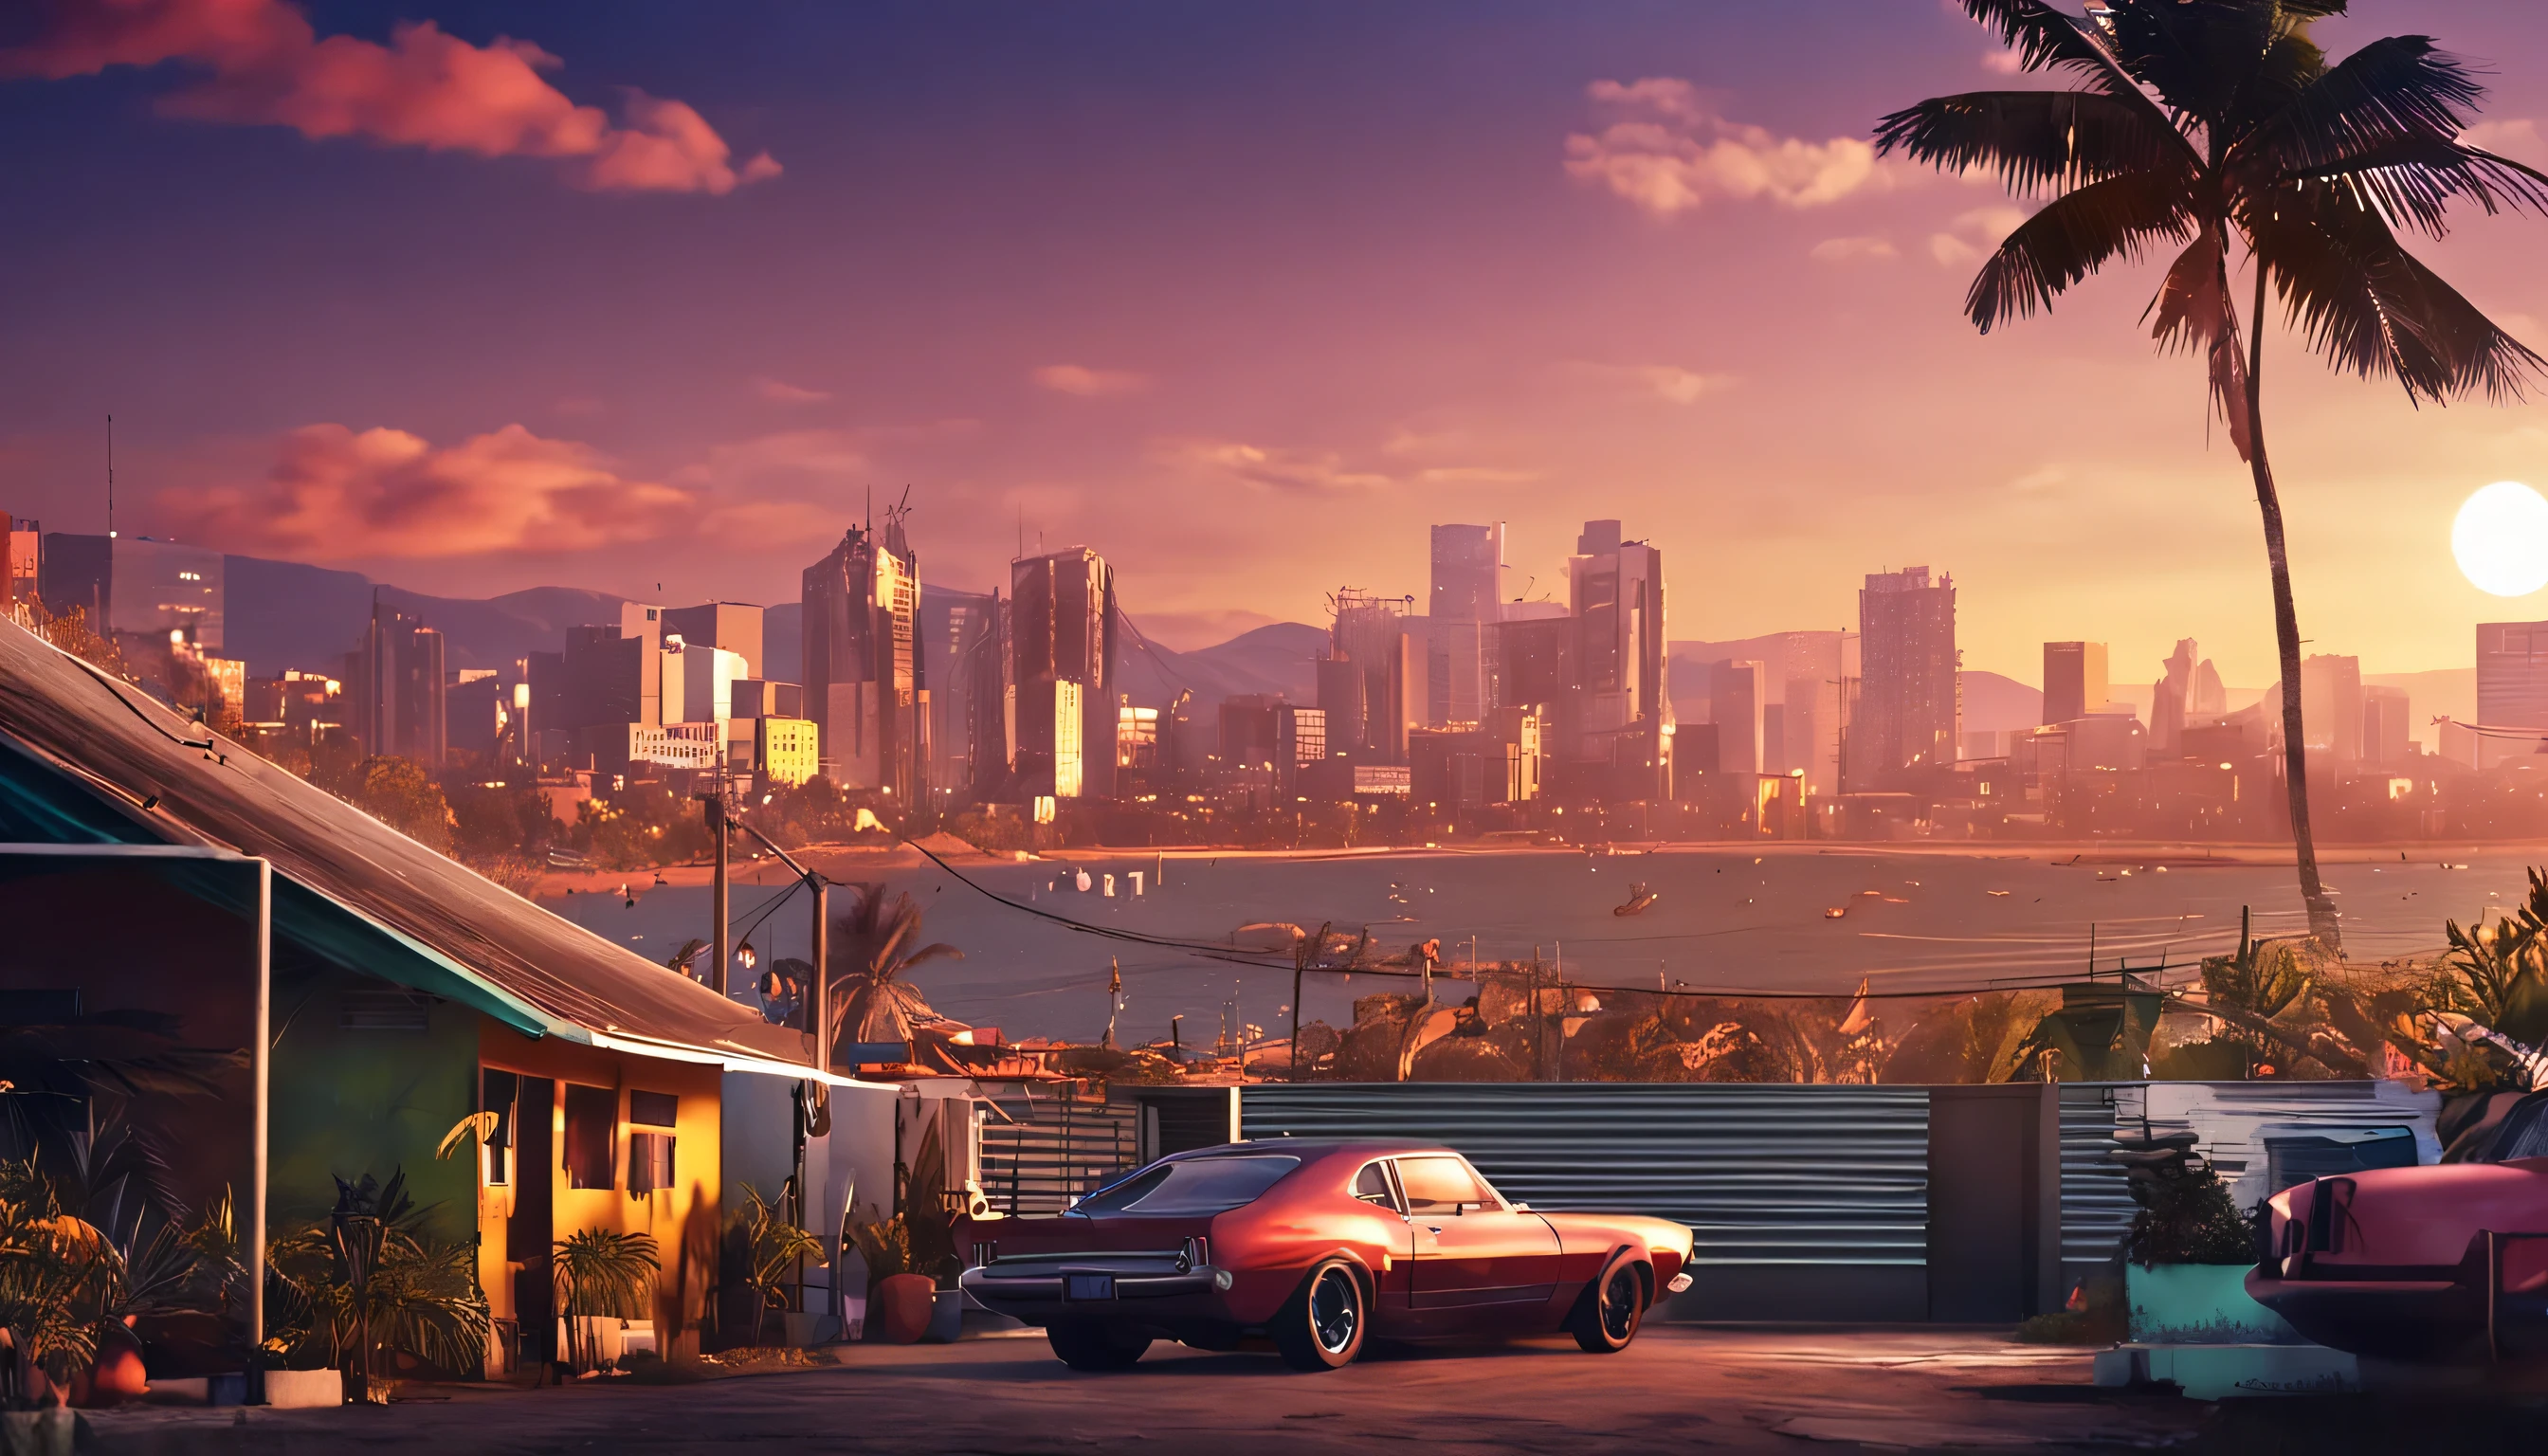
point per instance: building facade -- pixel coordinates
(1467, 591)
(1061, 631)
(864, 675)
(1910, 712)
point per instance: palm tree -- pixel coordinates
(872, 949)
(2204, 124)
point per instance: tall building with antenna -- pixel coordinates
(865, 680)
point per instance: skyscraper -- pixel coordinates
(2388, 737)
(863, 675)
(1910, 715)
(1370, 633)
(734, 626)
(2331, 705)
(1061, 630)
(1616, 590)
(400, 707)
(1736, 697)
(2511, 678)
(2075, 684)
(1468, 585)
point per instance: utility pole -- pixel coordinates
(719, 888)
(110, 477)
(822, 1002)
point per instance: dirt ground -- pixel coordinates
(1677, 1389)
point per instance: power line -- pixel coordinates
(1230, 956)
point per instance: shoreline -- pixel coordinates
(847, 863)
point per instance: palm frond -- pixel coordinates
(2043, 38)
(2412, 181)
(2371, 308)
(2199, 58)
(2192, 311)
(2394, 89)
(2034, 140)
(2071, 237)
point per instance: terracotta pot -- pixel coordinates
(903, 1307)
(116, 1376)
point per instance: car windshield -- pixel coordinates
(1208, 1185)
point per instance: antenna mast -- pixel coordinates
(110, 477)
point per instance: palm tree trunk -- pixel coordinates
(2287, 638)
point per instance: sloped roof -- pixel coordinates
(416, 909)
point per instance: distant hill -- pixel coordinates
(280, 614)
(1997, 705)
(1278, 658)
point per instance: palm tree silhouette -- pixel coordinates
(2200, 124)
(873, 946)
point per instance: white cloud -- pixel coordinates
(1666, 152)
(1987, 227)
(2003, 63)
(1850, 251)
(1273, 468)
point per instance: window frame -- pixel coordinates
(1494, 1202)
(1397, 1196)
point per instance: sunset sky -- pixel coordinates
(480, 296)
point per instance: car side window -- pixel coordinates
(1440, 1185)
(1371, 1185)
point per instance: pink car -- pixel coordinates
(1317, 1247)
(2439, 1264)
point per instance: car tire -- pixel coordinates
(1095, 1347)
(1323, 1326)
(1611, 1308)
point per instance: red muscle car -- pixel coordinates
(1317, 1247)
(2444, 1263)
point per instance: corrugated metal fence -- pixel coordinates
(1764, 1174)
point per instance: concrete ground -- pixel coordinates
(1677, 1389)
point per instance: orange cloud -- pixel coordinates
(1668, 152)
(425, 88)
(337, 493)
(1087, 382)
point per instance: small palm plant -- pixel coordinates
(774, 1248)
(603, 1274)
(369, 1282)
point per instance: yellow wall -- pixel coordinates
(683, 1220)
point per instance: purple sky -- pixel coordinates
(1245, 297)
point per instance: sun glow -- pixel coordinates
(2500, 539)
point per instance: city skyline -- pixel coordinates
(1616, 291)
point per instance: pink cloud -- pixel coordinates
(339, 493)
(1087, 382)
(1668, 152)
(781, 391)
(425, 88)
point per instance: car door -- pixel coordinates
(1393, 1308)
(1478, 1258)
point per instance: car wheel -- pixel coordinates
(1322, 1327)
(1084, 1346)
(1608, 1315)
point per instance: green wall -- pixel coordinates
(348, 1102)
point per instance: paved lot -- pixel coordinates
(1677, 1389)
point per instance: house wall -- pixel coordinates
(683, 1220)
(350, 1098)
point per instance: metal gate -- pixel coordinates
(1048, 1150)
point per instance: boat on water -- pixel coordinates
(1639, 897)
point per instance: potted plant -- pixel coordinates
(602, 1275)
(775, 1252)
(2187, 1255)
